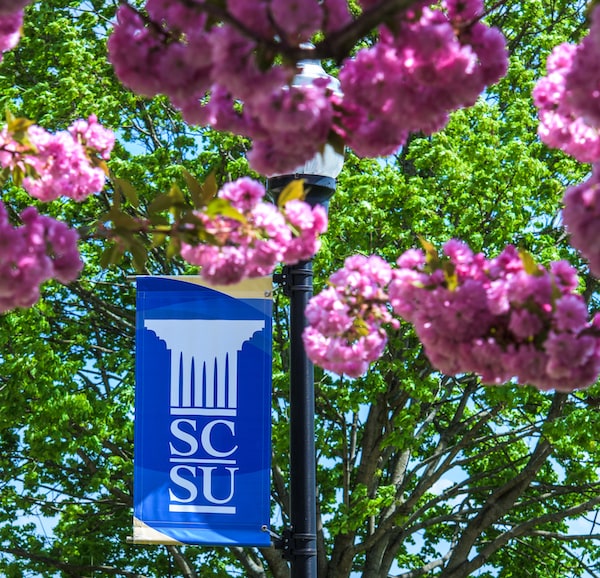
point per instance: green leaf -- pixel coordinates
(176, 195)
(292, 191)
(157, 219)
(9, 116)
(223, 208)
(529, 264)
(360, 327)
(173, 248)
(18, 176)
(17, 128)
(158, 239)
(450, 276)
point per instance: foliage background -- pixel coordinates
(419, 474)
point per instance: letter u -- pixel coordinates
(207, 484)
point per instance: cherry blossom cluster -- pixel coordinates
(561, 126)
(50, 165)
(39, 249)
(568, 101)
(581, 215)
(584, 93)
(67, 163)
(11, 6)
(346, 322)
(503, 318)
(248, 237)
(11, 21)
(432, 62)
(425, 64)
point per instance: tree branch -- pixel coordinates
(251, 564)
(182, 562)
(501, 500)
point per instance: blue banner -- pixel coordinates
(202, 412)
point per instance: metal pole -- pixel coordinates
(299, 542)
(303, 478)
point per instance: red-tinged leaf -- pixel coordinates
(430, 251)
(210, 187)
(160, 203)
(101, 164)
(432, 258)
(18, 126)
(139, 254)
(127, 190)
(111, 256)
(202, 193)
(173, 248)
(123, 220)
(337, 143)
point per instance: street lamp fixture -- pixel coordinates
(320, 172)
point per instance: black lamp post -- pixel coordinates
(299, 543)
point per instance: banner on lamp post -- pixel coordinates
(202, 412)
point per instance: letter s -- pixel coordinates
(183, 483)
(185, 437)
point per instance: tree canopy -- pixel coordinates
(419, 473)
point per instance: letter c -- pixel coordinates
(207, 443)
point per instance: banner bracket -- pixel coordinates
(293, 279)
(283, 280)
(295, 545)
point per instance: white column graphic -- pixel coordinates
(204, 362)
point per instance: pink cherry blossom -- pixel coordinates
(581, 215)
(412, 78)
(309, 223)
(92, 135)
(62, 166)
(425, 63)
(12, 6)
(583, 86)
(10, 29)
(297, 20)
(253, 241)
(500, 318)
(558, 97)
(345, 331)
(32, 253)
